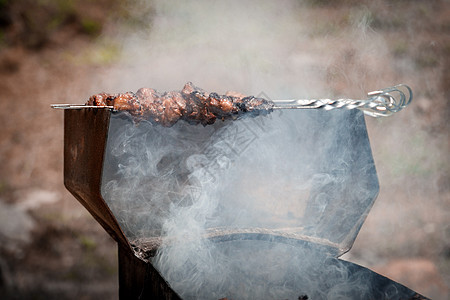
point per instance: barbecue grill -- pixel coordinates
(303, 207)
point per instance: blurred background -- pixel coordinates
(63, 51)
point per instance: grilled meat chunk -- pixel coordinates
(192, 104)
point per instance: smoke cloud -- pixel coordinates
(208, 197)
(249, 46)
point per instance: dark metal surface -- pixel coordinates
(140, 280)
(376, 286)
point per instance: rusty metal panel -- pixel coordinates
(85, 135)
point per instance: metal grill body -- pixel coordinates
(88, 164)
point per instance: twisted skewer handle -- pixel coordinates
(381, 103)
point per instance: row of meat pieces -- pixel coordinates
(192, 104)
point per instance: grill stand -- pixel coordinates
(85, 137)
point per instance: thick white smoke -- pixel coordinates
(291, 179)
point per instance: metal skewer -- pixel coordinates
(381, 103)
(77, 106)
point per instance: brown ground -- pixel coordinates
(51, 248)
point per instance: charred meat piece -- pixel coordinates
(256, 105)
(192, 105)
(127, 101)
(101, 99)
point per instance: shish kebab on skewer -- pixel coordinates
(195, 106)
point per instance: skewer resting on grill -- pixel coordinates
(195, 106)
(381, 103)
